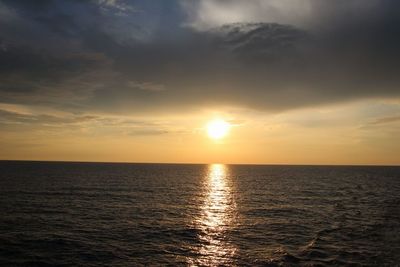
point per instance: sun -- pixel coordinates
(218, 128)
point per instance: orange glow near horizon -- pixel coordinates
(332, 135)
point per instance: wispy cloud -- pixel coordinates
(391, 119)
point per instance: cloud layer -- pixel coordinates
(135, 57)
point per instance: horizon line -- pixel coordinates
(196, 163)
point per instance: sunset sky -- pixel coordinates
(298, 81)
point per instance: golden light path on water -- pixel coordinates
(217, 216)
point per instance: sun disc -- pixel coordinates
(218, 128)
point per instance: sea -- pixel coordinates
(121, 214)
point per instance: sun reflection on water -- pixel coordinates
(216, 218)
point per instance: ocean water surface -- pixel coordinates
(103, 214)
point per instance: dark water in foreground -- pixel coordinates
(89, 214)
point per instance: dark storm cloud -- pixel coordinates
(135, 56)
